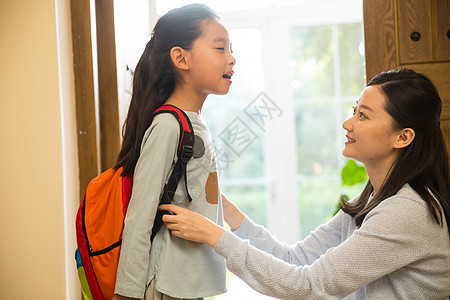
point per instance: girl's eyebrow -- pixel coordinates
(223, 40)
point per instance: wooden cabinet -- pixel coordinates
(411, 34)
(441, 23)
(423, 31)
(445, 126)
(414, 31)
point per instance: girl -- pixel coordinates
(390, 242)
(187, 58)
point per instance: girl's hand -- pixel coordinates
(191, 226)
(231, 213)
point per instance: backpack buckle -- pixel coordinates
(186, 153)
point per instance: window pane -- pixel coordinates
(317, 203)
(251, 199)
(351, 58)
(326, 79)
(311, 62)
(316, 138)
(230, 5)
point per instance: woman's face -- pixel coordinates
(371, 136)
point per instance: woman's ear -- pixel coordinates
(179, 58)
(404, 138)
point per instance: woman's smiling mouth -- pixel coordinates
(349, 140)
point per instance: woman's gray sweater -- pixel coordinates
(399, 252)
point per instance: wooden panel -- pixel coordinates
(439, 73)
(442, 28)
(84, 91)
(107, 84)
(414, 16)
(445, 127)
(379, 36)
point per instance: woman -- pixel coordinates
(390, 242)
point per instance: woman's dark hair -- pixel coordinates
(413, 102)
(154, 78)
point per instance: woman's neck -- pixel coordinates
(377, 178)
(378, 174)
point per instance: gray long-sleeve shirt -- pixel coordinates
(399, 252)
(181, 269)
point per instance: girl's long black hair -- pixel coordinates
(154, 79)
(413, 102)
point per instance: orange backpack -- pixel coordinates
(100, 218)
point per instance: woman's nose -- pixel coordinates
(348, 124)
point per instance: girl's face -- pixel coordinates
(371, 136)
(210, 60)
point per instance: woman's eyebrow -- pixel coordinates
(367, 107)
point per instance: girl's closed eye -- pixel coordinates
(362, 115)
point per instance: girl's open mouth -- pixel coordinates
(228, 75)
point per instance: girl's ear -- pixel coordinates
(178, 56)
(404, 138)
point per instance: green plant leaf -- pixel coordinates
(353, 173)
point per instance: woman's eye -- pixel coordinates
(361, 115)
(221, 49)
(354, 110)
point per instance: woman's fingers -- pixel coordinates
(179, 214)
(190, 225)
(170, 207)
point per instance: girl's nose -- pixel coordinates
(233, 60)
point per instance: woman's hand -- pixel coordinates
(191, 226)
(231, 213)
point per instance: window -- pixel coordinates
(326, 72)
(277, 133)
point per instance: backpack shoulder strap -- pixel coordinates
(184, 153)
(186, 141)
